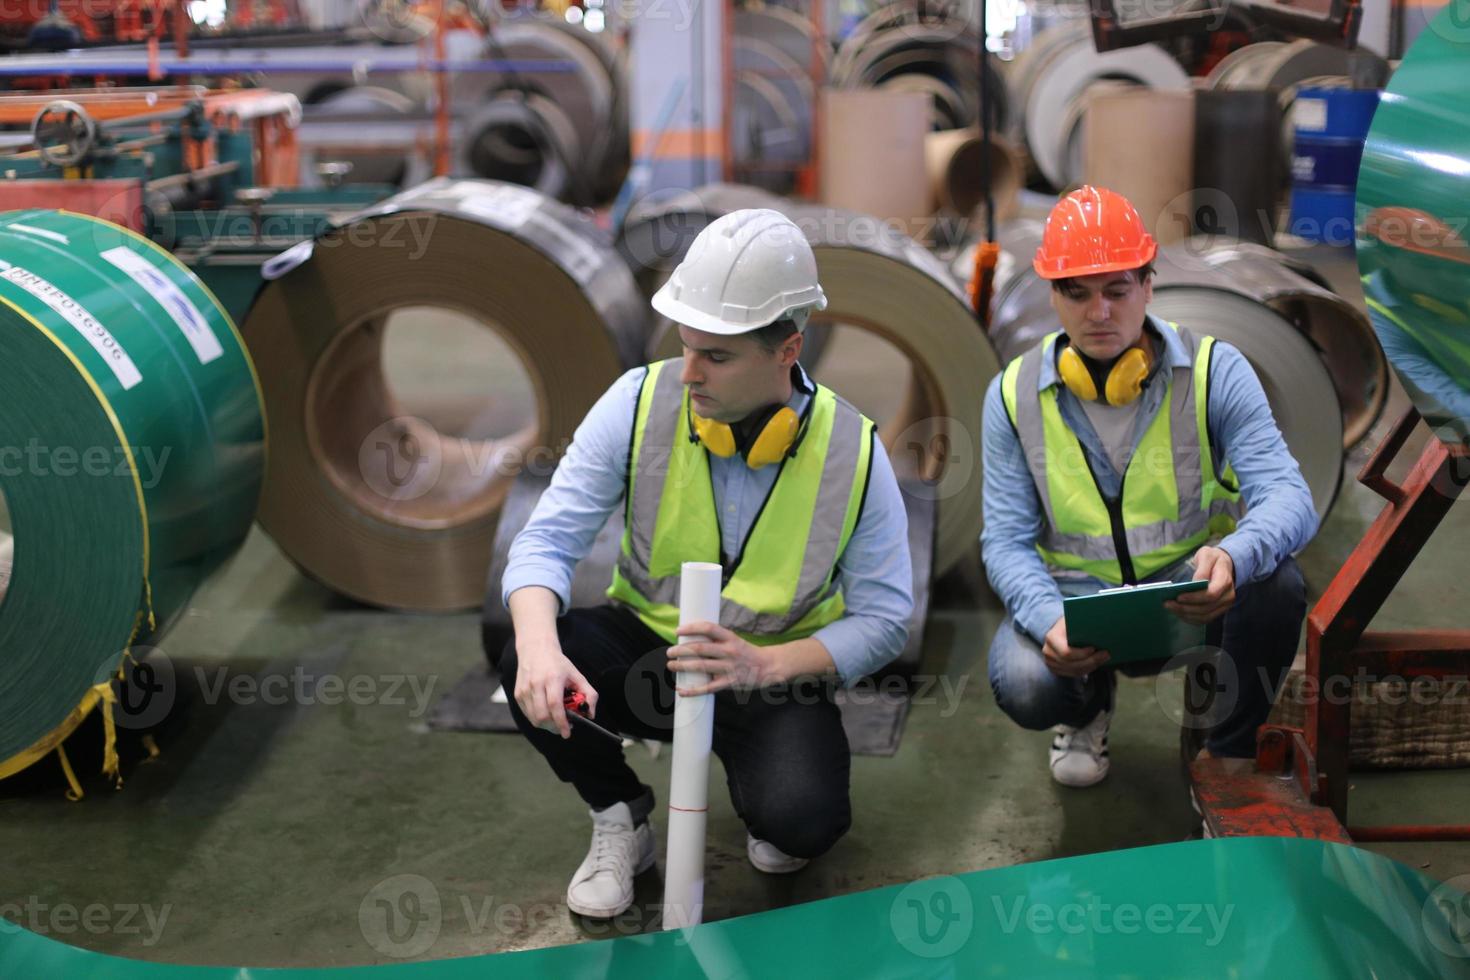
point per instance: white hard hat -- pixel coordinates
(747, 269)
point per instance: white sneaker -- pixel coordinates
(1079, 756)
(769, 858)
(603, 885)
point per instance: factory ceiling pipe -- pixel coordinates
(376, 504)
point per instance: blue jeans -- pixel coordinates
(1258, 634)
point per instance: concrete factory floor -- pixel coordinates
(312, 833)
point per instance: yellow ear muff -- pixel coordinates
(775, 439)
(717, 437)
(1075, 375)
(1125, 380)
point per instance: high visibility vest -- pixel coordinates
(1171, 499)
(781, 586)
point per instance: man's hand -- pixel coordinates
(1069, 661)
(729, 660)
(543, 675)
(1208, 604)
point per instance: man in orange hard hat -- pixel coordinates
(1121, 450)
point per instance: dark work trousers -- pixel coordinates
(1257, 636)
(784, 750)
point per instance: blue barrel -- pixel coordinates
(1330, 125)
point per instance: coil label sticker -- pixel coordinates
(191, 322)
(101, 339)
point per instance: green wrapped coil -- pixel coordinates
(1413, 241)
(132, 442)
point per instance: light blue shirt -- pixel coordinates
(874, 572)
(1280, 517)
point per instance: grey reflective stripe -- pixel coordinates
(1141, 540)
(665, 413)
(1189, 474)
(665, 591)
(815, 583)
(1030, 428)
(1185, 451)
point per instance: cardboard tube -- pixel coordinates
(953, 159)
(873, 153)
(1140, 143)
(694, 727)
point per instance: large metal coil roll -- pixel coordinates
(788, 32)
(1337, 328)
(523, 139)
(900, 48)
(1058, 92)
(130, 462)
(383, 506)
(772, 115)
(591, 97)
(1292, 371)
(886, 290)
(1028, 67)
(1284, 68)
(1411, 237)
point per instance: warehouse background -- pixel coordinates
(411, 244)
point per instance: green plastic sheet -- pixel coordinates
(1413, 221)
(131, 455)
(1240, 907)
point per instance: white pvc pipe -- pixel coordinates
(694, 726)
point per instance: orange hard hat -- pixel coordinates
(1093, 230)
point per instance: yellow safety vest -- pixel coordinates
(781, 586)
(1171, 499)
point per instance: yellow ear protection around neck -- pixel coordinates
(776, 432)
(1122, 383)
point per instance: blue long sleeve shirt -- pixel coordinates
(1280, 517)
(874, 571)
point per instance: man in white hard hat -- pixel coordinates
(734, 456)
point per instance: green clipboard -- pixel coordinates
(1131, 622)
